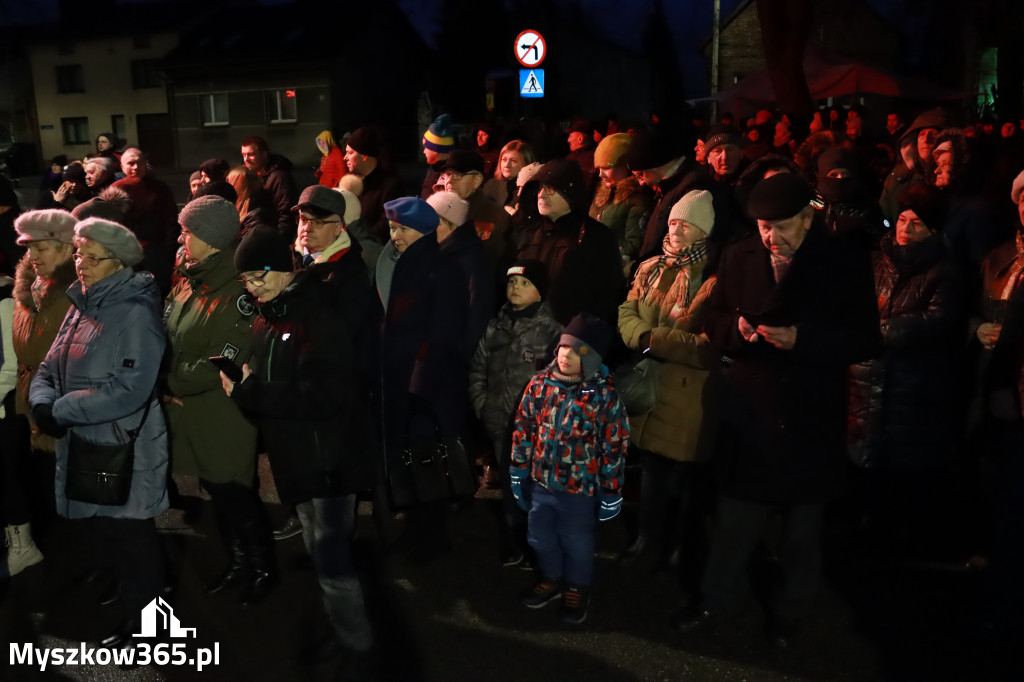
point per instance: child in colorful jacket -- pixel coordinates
(568, 457)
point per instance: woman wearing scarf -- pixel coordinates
(659, 318)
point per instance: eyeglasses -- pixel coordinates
(316, 223)
(257, 281)
(90, 261)
(455, 177)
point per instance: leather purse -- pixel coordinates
(637, 386)
(101, 474)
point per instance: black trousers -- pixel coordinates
(27, 475)
(132, 548)
(738, 528)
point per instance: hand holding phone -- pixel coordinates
(228, 366)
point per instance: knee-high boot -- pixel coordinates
(261, 575)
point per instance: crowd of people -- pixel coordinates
(760, 322)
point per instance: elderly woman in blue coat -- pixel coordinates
(98, 379)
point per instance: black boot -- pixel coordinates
(233, 573)
(636, 550)
(261, 575)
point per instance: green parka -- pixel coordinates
(208, 313)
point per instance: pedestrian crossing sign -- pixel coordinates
(531, 82)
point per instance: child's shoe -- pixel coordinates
(547, 590)
(575, 601)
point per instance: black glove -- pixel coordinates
(42, 415)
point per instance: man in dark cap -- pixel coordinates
(659, 163)
(793, 309)
(581, 254)
(380, 184)
(464, 174)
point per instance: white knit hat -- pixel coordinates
(696, 209)
(351, 187)
(1018, 187)
(449, 206)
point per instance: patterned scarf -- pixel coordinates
(683, 261)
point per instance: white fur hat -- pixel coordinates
(47, 223)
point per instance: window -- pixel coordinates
(281, 106)
(76, 130)
(70, 79)
(117, 127)
(213, 109)
(145, 74)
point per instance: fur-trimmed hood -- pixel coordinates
(62, 278)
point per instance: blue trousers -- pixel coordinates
(561, 531)
(327, 529)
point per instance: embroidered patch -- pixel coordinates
(245, 305)
(128, 362)
(229, 351)
(583, 349)
(528, 356)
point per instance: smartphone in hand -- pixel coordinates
(228, 366)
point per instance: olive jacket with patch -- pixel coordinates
(208, 313)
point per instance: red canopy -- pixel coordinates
(830, 75)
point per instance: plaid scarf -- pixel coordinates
(683, 261)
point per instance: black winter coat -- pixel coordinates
(278, 182)
(312, 404)
(901, 402)
(466, 248)
(785, 410)
(582, 260)
(689, 177)
(379, 187)
(424, 368)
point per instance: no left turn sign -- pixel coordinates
(530, 48)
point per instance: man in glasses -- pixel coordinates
(464, 175)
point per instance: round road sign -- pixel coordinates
(530, 48)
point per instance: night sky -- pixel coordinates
(689, 20)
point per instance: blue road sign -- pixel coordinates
(531, 82)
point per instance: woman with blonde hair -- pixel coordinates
(502, 188)
(254, 204)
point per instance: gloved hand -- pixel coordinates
(517, 477)
(42, 415)
(610, 507)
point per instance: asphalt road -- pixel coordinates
(458, 618)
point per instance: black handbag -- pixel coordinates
(431, 469)
(97, 473)
(637, 386)
(101, 474)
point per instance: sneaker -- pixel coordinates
(547, 590)
(575, 601)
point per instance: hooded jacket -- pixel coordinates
(572, 438)
(98, 378)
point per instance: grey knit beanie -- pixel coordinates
(212, 219)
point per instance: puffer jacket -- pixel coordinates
(512, 350)
(207, 314)
(98, 377)
(34, 330)
(683, 423)
(573, 437)
(901, 402)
